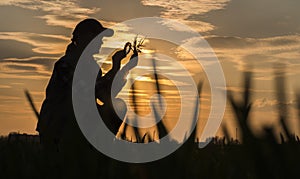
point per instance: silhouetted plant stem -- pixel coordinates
(162, 131)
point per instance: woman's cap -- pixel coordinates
(91, 26)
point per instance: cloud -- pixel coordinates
(68, 13)
(57, 13)
(288, 42)
(46, 62)
(263, 102)
(258, 55)
(183, 11)
(5, 86)
(178, 10)
(266, 102)
(41, 43)
(17, 19)
(261, 53)
(28, 68)
(7, 98)
(120, 10)
(255, 18)
(184, 7)
(12, 48)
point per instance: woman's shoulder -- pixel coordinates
(63, 62)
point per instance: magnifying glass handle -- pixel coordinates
(127, 47)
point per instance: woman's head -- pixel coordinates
(86, 30)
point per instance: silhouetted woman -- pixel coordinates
(57, 123)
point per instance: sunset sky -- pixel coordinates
(260, 33)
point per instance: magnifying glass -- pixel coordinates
(127, 47)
